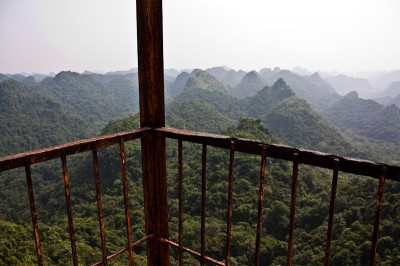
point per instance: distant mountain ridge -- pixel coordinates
(309, 89)
(67, 107)
(250, 84)
(205, 102)
(228, 76)
(344, 84)
(31, 120)
(284, 114)
(392, 91)
(293, 120)
(366, 118)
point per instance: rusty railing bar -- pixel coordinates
(314, 158)
(195, 253)
(112, 256)
(331, 213)
(203, 201)
(72, 236)
(230, 196)
(140, 241)
(379, 201)
(125, 187)
(119, 252)
(293, 208)
(99, 205)
(33, 213)
(180, 197)
(260, 205)
(46, 154)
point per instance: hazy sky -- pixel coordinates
(100, 35)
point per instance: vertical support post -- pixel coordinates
(203, 203)
(72, 236)
(260, 204)
(378, 209)
(33, 213)
(125, 186)
(293, 208)
(99, 205)
(152, 114)
(230, 203)
(180, 196)
(331, 212)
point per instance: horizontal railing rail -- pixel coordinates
(296, 156)
(264, 150)
(307, 157)
(47, 154)
(61, 151)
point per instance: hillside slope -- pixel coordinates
(293, 120)
(31, 120)
(366, 118)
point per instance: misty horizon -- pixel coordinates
(99, 36)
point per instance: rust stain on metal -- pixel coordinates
(122, 251)
(99, 205)
(125, 186)
(180, 199)
(277, 151)
(195, 253)
(69, 210)
(260, 204)
(293, 208)
(230, 196)
(33, 213)
(203, 202)
(379, 201)
(328, 161)
(55, 152)
(331, 213)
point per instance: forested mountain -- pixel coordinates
(396, 101)
(3, 77)
(392, 91)
(285, 115)
(384, 80)
(230, 77)
(28, 80)
(319, 97)
(179, 83)
(68, 107)
(94, 102)
(250, 84)
(267, 72)
(366, 118)
(390, 95)
(354, 211)
(204, 97)
(321, 83)
(344, 84)
(293, 120)
(199, 101)
(31, 120)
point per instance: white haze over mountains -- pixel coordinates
(353, 45)
(100, 35)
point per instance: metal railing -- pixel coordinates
(264, 150)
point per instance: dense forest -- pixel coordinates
(280, 107)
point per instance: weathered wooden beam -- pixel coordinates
(152, 114)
